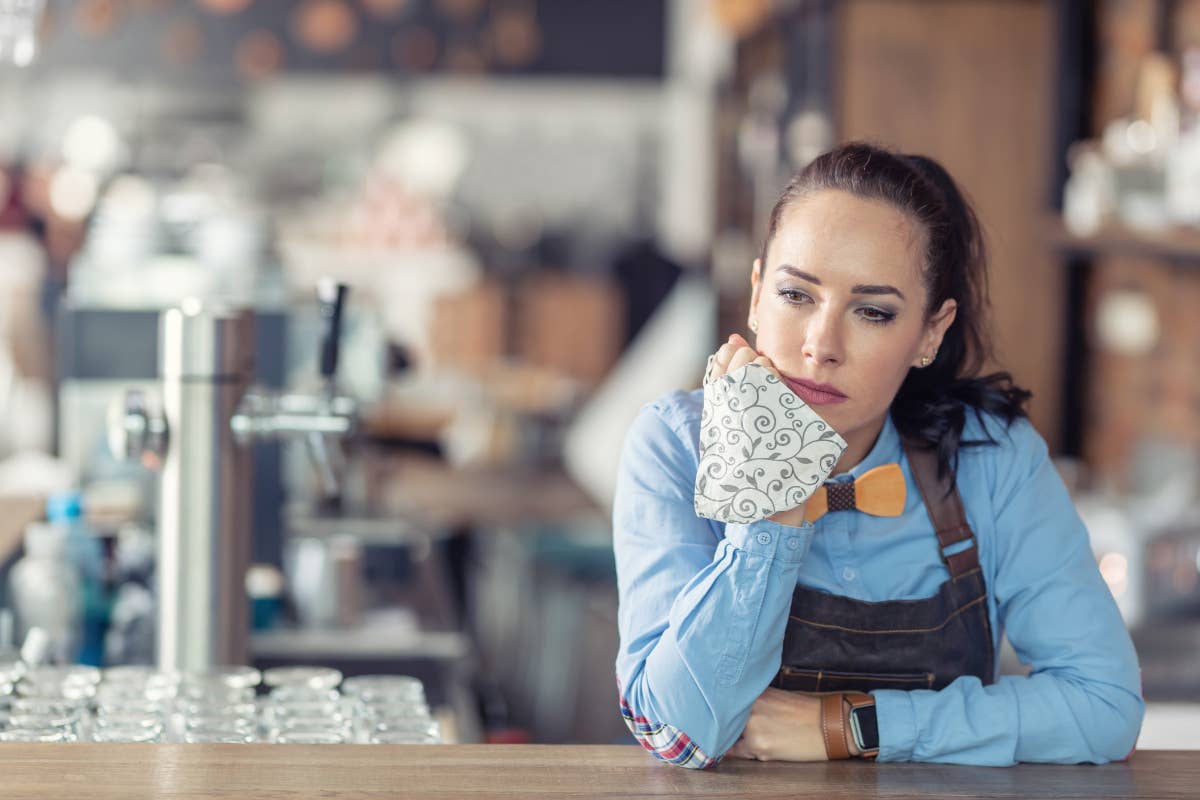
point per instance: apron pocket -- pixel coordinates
(794, 679)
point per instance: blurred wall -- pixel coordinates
(970, 83)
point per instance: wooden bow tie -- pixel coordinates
(879, 491)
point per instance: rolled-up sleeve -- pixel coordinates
(1082, 700)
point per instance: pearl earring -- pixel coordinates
(754, 325)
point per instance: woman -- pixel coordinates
(868, 303)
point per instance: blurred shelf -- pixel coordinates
(394, 422)
(1180, 245)
(429, 493)
(360, 643)
(368, 526)
(1168, 651)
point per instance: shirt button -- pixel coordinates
(794, 542)
(764, 538)
(849, 573)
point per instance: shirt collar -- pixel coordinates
(886, 450)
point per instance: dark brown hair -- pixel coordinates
(930, 408)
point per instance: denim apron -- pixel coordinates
(838, 644)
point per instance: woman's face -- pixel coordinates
(841, 303)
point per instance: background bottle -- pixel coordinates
(45, 591)
(86, 555)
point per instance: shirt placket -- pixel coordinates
(841, 552)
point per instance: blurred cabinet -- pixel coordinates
(971, 83)
(1122, 394)
(968, 82)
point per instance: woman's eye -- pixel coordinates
(794, 295)
(877, 315)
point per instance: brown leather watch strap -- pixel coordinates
(857, 700)
(833, 726)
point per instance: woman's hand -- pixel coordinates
(735, 354)
(783, 726)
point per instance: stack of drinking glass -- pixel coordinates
(142, 704)
(10, 673)
(51, 704)
(134, 704)
(390, 709)
(305, 707)
(218, 706)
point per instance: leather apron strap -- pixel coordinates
(945, 509)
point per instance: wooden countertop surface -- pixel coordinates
(254, 772)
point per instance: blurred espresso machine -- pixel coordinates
(196, 429)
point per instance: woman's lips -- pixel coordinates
(812, 395)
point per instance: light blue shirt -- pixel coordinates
(703, 605)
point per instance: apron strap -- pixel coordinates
(945, 509)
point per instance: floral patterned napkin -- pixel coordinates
(762, 449)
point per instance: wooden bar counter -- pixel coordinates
(254, 772)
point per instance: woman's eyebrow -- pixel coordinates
(861, 288)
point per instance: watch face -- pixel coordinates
(864, 724)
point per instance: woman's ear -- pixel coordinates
(940, 323)
(755, 290)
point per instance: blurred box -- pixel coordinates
(468, 329)
(569, 324)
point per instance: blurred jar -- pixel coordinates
(218, 705)
(43, 715)
(304, 706)
(223, 685)
(228, 728)
(310, 736)
(215, 693)
(233, 677)
(38, 735)
(218, 737)
(55, 697)
(11, 670)
(19, 21)
(61, 678)
(128, 726)
(265, 587)
(45, 591)
(6, 698)
(391, 709)
(137, 686)
(109, 702)
(134, 734)
(1090, 193)
(385, 688)
(325, 578)
(410, 732)
(373, 721)
(128, 719)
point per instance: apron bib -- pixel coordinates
(839, 644)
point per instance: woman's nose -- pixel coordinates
(823, 340)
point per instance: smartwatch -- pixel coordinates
(864, 726)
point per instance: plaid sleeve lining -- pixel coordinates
(666, 742)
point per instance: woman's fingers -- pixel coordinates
(741, 358)
(740, 750)
(724, 354)
(734, 354)
(766, 362)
